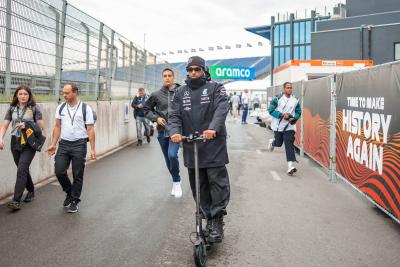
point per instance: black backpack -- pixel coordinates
(83, 111)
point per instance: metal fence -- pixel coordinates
(350, 127)
(46, 43)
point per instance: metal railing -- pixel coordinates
(46, 43)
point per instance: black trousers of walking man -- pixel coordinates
(75, 152)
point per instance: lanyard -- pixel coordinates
(69, 113)
(21, 116)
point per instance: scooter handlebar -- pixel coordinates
(193, 138)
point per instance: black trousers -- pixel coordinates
(286, 137)
(214, 189)
(23, 156)
(68, 152)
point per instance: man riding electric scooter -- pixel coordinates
(202, 106)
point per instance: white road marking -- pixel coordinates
(249, 138)
(259, 152)
(275, 176)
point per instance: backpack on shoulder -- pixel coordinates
(84, 106)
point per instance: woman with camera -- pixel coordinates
(22, 109)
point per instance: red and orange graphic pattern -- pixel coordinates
(383, 189)
(316, 137)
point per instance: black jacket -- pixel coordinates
(135, 104)
(33, 135)
(196, 110)
(158, 104)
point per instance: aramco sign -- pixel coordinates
(236, 73)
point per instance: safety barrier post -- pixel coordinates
(57, 20)
(60, 52)
(111, 66)
(99, 49)
(130, 69)
(332, 156)
(302, 120)
(87, 56)
(7, 89)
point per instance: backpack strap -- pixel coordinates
(84, 112)
(61, 108)
(34, 113)
(12, 108)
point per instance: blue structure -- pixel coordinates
(290, 39)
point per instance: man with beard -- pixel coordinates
(202, 106)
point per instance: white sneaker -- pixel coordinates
(270, 146)
(178, 190)
(173, 189)
(291, 168)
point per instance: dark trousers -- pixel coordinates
(214, 189)
(170, 152)
(245, 111)
(68, 152)
(23, 156)
(286, 137)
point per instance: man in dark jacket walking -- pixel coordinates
(156, 109)
(202, 106)
(138, 106)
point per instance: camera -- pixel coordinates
(291, 119)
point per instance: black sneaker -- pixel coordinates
(14, 205)
(67, 201)
(148, 139)
(209, 226)
(73, 207)
(139, 143)
(216, 232)
(29, 197)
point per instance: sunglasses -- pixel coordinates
(196, 69)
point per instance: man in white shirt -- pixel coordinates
(75, 126)
(245, 103)
(235, 100)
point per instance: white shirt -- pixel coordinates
(235, 100)
(245, 98)
(256, 100)
(72, 124)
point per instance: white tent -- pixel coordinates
(252, 86)
(256, 88)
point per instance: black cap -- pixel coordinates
(198, 61)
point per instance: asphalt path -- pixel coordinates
(128, 218)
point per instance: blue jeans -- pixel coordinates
(170, 151)
(245, 111)
(139, 122)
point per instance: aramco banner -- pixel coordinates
(235, 73)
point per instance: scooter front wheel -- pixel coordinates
(199, 254)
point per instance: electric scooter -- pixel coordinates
(201, 244)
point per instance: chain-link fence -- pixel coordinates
(46, 43)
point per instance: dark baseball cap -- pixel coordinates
(198, 61)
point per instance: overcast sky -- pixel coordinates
(178, 24)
